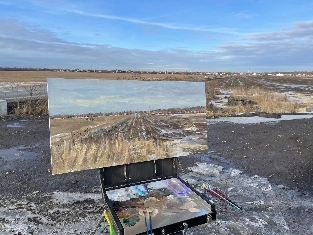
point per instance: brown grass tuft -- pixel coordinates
(254, 99)
(33, 107)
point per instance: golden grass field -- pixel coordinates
(41, 76)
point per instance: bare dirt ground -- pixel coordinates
(281, 152)
(272, 185)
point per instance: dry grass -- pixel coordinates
(32, 107)
(266, 100)
(41, 76)
(35, 105)
(258, 100)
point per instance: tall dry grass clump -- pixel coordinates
(245, 100)
(265, 101)
(33, 107)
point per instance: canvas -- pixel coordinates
(103, 123)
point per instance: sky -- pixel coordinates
(83, 96)
(158, 35)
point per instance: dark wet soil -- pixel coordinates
(281, 152)
(23, 176)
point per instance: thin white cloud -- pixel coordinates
(156, 24)
(15, 29)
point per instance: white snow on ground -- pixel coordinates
(15, 125)
(66, 197)
(257, 119)
(267, 208)
(57, 213)
(285, 85)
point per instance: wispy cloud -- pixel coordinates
(156, 24)
(16, 29)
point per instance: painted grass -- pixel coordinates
(106, 151)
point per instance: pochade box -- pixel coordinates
(134, 132)
(150, 198)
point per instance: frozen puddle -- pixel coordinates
(257, 119)
(15, 125)
(17, 153)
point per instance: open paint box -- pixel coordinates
(149, 196)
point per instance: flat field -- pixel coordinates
(41, 76)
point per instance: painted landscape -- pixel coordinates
(97, 123)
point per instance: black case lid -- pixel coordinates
(119, 176)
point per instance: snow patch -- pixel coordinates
(206, 169)
(257, 119)
(66, 197)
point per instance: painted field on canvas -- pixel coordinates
(102, 123)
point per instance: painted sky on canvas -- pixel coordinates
(171, 35)
(81, 96)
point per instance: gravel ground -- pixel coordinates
(266, 168)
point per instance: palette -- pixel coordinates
(156, 204)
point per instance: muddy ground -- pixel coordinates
(282, 152)
(266, 168)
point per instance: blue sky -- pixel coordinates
(211, 35)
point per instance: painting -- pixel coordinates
(103, 123)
